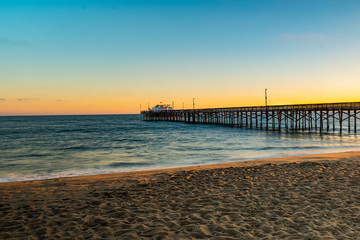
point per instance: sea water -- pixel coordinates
(42, 147)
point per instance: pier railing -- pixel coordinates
(320, 116)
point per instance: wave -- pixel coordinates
(34, 155)
(128, 164)
(77, 148)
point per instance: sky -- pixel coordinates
(111, 56)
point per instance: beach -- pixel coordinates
(301, 197)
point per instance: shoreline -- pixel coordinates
(310, 196)
(247, 163)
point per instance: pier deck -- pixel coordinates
(321, 117)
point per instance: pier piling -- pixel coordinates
(311, 117)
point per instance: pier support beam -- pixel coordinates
(349, 120)
(267, 119)
(273, 119)
(321, 120)
(333, 112)
(355, 120)
(279, 120)
(327, 120)
(340, 119)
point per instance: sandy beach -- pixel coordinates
(304, 197)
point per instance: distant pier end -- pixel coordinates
(321, 117)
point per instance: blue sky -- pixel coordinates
(66, 55)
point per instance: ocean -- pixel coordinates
(43, 147)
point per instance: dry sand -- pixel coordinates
(308, 197)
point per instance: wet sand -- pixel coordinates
(305, 197)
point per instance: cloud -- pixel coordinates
(306, 37)
(2, 99)
(27, 99)
(15, 42)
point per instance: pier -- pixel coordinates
(313, 117)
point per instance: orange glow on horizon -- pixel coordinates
(132, 105)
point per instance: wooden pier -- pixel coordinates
(319, 117)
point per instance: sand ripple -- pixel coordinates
(308, 200)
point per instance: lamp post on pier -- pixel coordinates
(265, 97)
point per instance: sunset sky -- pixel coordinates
(108, 57)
